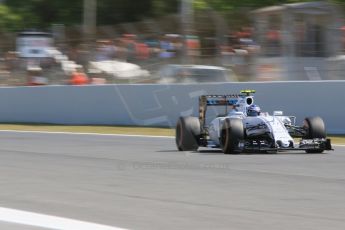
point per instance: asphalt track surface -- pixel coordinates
(144, 183)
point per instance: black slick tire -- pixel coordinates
(187, 133)
(315, 128)
(232, 133)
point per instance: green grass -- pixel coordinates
(91, 129)
(336, 139)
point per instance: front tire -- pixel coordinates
(315, 128)
(187, 133)
(231, 134)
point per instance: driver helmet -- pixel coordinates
(253, 111)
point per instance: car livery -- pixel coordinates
(235, 131)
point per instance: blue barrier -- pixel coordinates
(161, 105)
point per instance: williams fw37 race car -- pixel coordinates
(244, 128)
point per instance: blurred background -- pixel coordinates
(79, 42)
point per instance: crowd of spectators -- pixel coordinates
(129, 48)
(149, 52)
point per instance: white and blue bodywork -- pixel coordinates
(263, 132)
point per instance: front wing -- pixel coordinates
(317, 144)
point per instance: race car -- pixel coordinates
(242, 127)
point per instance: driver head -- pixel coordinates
(253, 111)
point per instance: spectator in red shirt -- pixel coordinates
(79, 77)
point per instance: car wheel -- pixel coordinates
(187, 133)
(315, 128)
(231, 134)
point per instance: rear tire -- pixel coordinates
(231, 134)
(187, 133)
(315, 128)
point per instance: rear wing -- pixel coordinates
(220, 100)
(215, 100)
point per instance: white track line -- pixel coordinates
(103, 134)
(46, 221)
(76, 133)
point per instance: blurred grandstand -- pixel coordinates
(301, 40)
